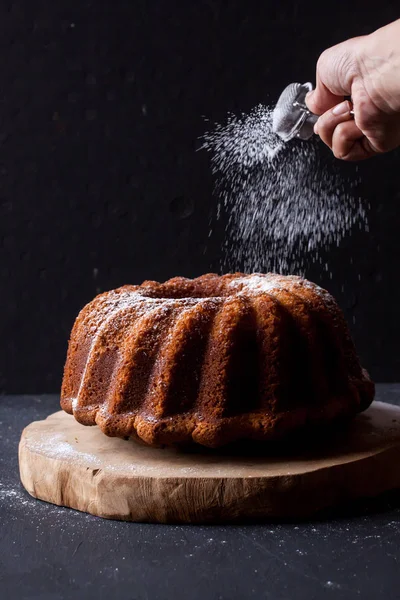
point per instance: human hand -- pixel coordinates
(366, 68)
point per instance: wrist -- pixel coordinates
(379, 59)
(382, 47)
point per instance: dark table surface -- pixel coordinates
(50, 553)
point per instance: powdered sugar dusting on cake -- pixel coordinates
(109, 311)
(316, 289)
(255, 284)
(119, 300)
(258, 283)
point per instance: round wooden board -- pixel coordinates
(68, 464)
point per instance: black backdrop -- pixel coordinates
(101, 105)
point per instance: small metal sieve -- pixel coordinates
(291, 117)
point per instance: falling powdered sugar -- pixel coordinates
(243, 141)
(284, 204)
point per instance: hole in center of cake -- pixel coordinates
(185, 291)
(181, 294)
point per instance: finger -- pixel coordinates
(349, 143)
(327, 123)
(321, 99)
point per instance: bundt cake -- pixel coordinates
(213, 360)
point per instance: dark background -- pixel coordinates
(101, 106)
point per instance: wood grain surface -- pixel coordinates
(68, 464)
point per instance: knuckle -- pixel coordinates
(341, 61)
(339, 152)
(325, 124)
(346, 66)
(341, 142)
(378, 145)
(368, 116)
(324, 59)
(341, 134)
(337, 155)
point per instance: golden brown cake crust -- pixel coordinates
(213, 360)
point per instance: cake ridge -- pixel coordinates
(168, 363)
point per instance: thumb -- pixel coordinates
(336, 69)
(321, 99)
